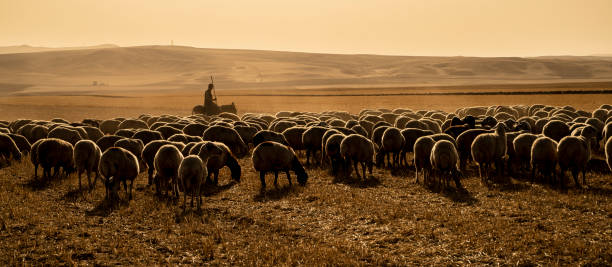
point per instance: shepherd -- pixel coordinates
(210, 100)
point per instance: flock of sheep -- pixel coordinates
(185, 154)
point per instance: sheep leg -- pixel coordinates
(416, 176)
(584, 178)
(370, 165)
(363, 168)
(35, 171)
(131, 187)
(276, 179)
(55, 171)
(216, 177)
(288, 177)
(575, 174)
(150, 171)
(356, 169)
(88, 178)
(262, 177)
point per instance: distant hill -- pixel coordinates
(180, 68)
(34, 49)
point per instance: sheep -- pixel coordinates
(8, 148)
(133, 145)
(574, 153)
(229, 137)
(544, 157)
(377, 135)
(392, 142)
(133, 124)
(127, 133)
(313, 142)
(247, 133)
(146, 136)
(267, 135)
(443, 160)
(118, 165)
(332, 151)
(190, 173)
(272, 156)
(21, 142)
(183, 138)
(410, 136)
(293, 136)
(464, 145)
(167, 131)
(422, 157)
(608, 152)
(55, 153)
(357, 149)
(522, 149)
(109, 126)
(326, 136)
(38, 132)
(148, 155)
(556, 130)
(69, 135)
(195, 129)
(167, 161)
(108, 141)
(34, 157)
(490, 148)
(87, 156)
(219, 155)
(93, 133)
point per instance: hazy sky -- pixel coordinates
(402, 27)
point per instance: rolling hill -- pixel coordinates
(127, 69)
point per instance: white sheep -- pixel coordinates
(574, 153)
(422, 153)
(167, 161)
(191, 172)
(490, 148)
(357, 149)
(544, 157)
(444, 159)
(87, 159)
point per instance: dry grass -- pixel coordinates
(78, 107)
(388, 220)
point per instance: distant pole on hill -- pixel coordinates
(171, 42)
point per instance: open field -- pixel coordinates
(105, 106)
(387, 220)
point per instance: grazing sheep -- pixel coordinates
(326, 136)
(544, 157)
(55, 153)
(392, 143)
(167, 161)
(93, 133)
(69, 135)
(87, 159)
(133, 145)
(574, 153)
(191, 172)
(377, 135)
(219, 155)
(8, 148)
(146, 136)
(127, 133)
(108, 141)
(167, 131)
(443, 160)
(38, 132)
(422, 157)
(267, 135)
(357, 149)
(522, 149)
(118, 165)
(148, 155)
(313, 142)
(490, 148)
(229, 137)
(21, 142)
(275, 157)
(34, 157)
(332, 152)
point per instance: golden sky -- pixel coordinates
(401, 27)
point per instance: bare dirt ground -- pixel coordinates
(386, 220)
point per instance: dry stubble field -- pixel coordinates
(387, 220)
